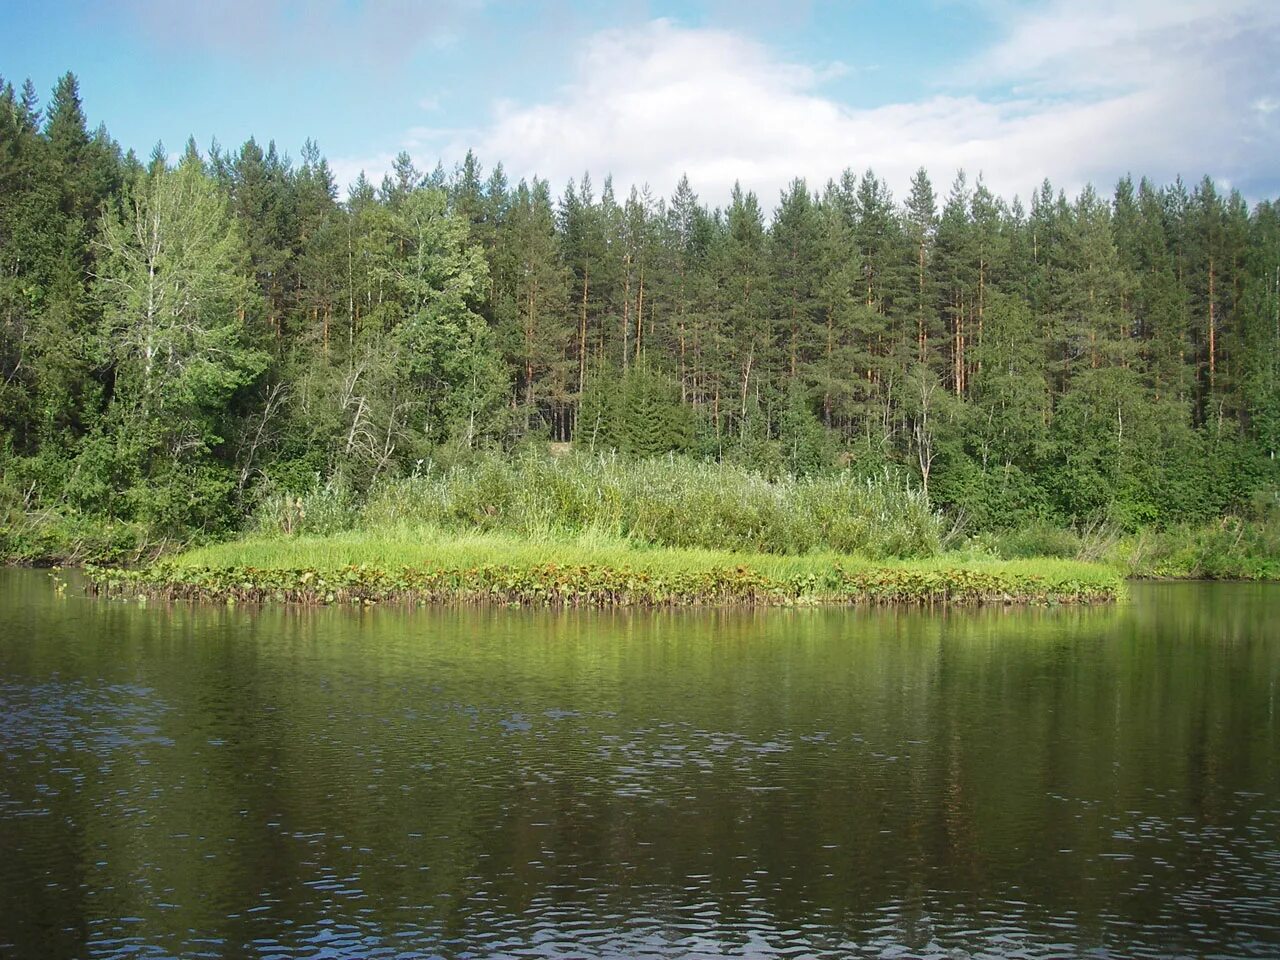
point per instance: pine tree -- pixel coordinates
(579, 225)
(922, 297)
(957, 277)
(743, 280)
(651, 418)
(262, 202)
(533, 300)
(598, 424)
(1260, 338)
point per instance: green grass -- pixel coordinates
(428, 564)
(418, 546)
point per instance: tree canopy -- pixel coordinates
(175, 339)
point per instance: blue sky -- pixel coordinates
(1073, 90)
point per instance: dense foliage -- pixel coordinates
(179, 344)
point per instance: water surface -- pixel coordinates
(232, 782)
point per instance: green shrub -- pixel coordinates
(1040, 539)
(49, 537)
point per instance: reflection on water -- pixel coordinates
(392, 783)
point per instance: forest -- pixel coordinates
(185, 345)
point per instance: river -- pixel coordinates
(193, 781)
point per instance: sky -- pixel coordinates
(1076, 91)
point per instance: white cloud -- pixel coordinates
(1096, 44)
(1084, 93)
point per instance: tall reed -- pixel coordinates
(669, 501)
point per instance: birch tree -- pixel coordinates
(173, 286)
(174, 296)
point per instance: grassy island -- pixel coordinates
(603, 531)
(417, 565)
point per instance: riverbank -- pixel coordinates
(418, 565)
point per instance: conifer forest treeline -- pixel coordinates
(179, 341)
